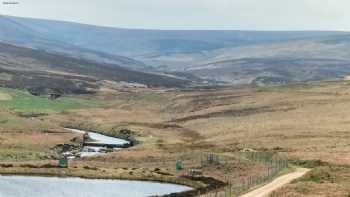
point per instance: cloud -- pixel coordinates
(193, 14)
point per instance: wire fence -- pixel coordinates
(274, 165)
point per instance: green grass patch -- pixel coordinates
(308, 163)
(320, 175)
(22, 101)
(311, 86)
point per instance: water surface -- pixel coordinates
(97, 139)
(20, 186)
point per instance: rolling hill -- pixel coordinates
(41, 71)
(139, 43)
(21, 33)
(229, 57)
(276, 63)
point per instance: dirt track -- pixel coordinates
(277, 183)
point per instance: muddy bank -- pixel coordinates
(212, 185)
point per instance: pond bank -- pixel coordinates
(199, 184)
(80, 170)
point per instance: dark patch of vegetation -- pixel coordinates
(6, 165)
(90, 168)
(61, 148)
(228, 113)
(42, 79)
(320, 175)
(212, 184)
(38, 166)
(41, 83)
(38, 91)
(125, 134)
(308, 163)
(31, 114)
(262, 81)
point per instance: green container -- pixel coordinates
(63, 163)
(179, 165)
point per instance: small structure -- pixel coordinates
(54, 96)
(63, 162)
(179, 165)
(50, 93)
(195, 173)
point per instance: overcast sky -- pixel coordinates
(192, 14)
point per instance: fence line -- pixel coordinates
(274, 166)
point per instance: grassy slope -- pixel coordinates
(21, 101)
(306, 121)
(26, 138)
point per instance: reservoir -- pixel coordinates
(27, 186)
(37, 186)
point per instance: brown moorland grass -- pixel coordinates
(302, 121)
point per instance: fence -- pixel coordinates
(211, 159)
(274, 165)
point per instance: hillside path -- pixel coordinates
(279, 182)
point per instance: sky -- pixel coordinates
(192, 14)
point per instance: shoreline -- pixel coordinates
(198, 184)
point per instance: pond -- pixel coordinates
(98, 143)
(27, 186)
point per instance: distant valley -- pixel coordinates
(170, 58)
(43, 72)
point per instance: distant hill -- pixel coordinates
(233, 57)
(282, 62)
(33, 69)
(18, 32)
(140, 43)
